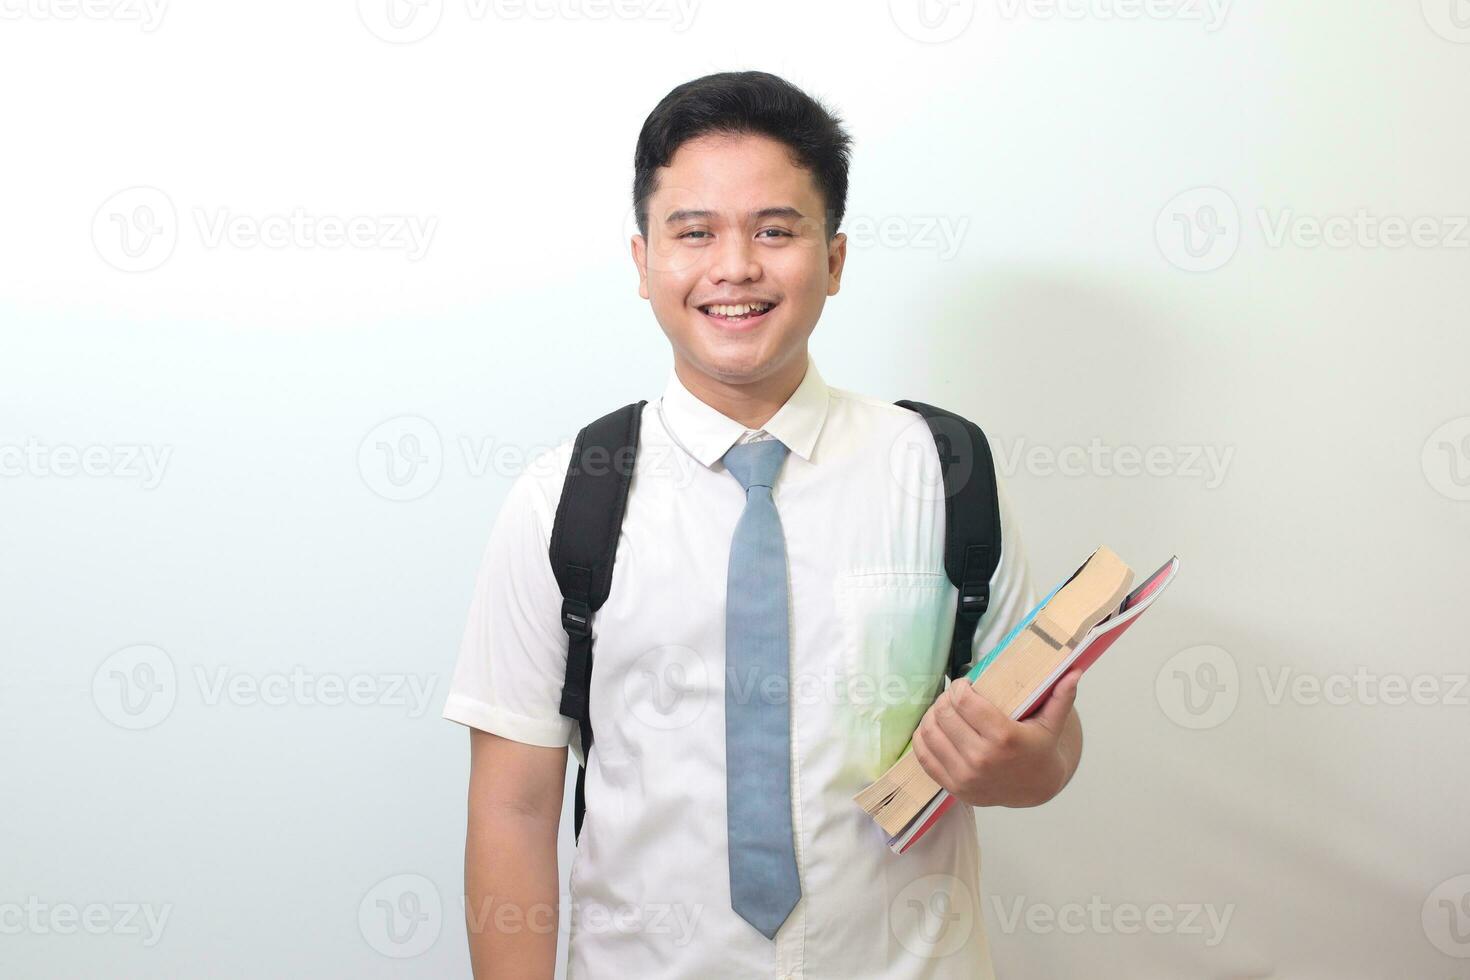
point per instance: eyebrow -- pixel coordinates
(686, 214)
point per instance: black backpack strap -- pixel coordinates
(584, 542)
(971, 521)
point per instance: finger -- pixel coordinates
(936, 755)
(978, 711)
(1053, 713)
(961, 732)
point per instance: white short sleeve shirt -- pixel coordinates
(872, 613)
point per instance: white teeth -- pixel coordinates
(739, 310)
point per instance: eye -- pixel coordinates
(779, 231)
(694, 232)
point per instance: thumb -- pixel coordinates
(1053, 712)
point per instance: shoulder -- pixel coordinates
(889, 421)
(857, 412)
(543, 476)
(879, 411)
(535, 491)
(856, 402)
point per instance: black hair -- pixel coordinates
(745, 102)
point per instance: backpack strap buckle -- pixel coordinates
(975, 598)
(576, 617)
(975, 581)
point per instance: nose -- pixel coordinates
(734, 260)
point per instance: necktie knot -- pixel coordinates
(755, 464)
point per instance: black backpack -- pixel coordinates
(584, 540)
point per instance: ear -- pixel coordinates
(640, 259)
(836, 259)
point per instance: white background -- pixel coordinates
(1037, 269)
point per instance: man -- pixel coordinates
(777, 626)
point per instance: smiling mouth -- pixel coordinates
(742, 314)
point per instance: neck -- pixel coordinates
(751, 404)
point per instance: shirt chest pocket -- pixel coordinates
(895, 634)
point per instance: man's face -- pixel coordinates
(735, 221)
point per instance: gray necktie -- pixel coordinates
(763, 880)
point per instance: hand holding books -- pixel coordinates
(1066, 632)
(983, 757)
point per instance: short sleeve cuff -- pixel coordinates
(552, 733)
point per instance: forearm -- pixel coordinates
(511, 893)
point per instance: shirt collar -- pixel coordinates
(707, 434)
